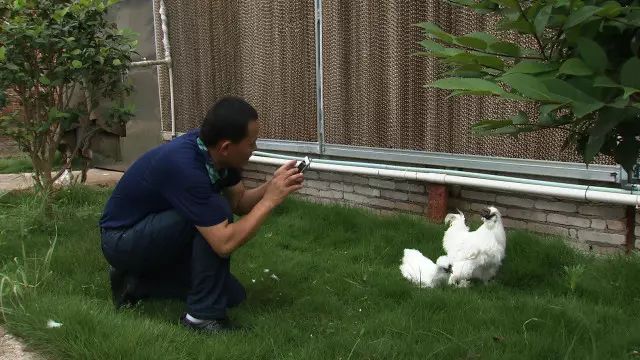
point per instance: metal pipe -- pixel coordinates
(588, 194)
(319, 76)
(146, 63)
(155, 40)
(167, 56)
(452, 172)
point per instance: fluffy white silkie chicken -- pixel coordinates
(474, 254)
(421, 271)
(65, 179)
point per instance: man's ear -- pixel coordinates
(223, 147)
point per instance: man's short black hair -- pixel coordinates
(228, 119)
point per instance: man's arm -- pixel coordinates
(226, 237)
(242, 200)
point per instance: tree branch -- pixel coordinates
(498, 54)
(534, 34)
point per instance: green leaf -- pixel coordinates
(117, 62)
(619, 103)
(492, 124)
(594, 144)
(468, 84)
(546, 110)
(509, 4)
(592, 54)
(541, 20)
(11, 66)
(112, 2)
(581, 103)
(604, 81)
(506, 48)
(575, 66)
(60, 14)
(435, 31)
(610, 9)
(556, 21)
(76, 52)
(494, 127)
(19, 4)
(76, 64)
(580, 16)
(466, 58)
(471, 42)
(532, 67)
(520, 119)
(626, 153)
(438, 50)
(487, 38)
(490, 61)
(44, 80)
(630, 73)
(527, 85)
(3, 53)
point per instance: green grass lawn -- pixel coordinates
(340, 294)
(15, 164)
(22, 164)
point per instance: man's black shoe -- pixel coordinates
(209, 326)
(122, 288)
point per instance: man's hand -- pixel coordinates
(284, 168)
(286, 180)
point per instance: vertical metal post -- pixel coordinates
(158, 54)
(319, 77)
(167, 56)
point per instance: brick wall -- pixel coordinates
(588, 226)
(585, 225)
(377, 194)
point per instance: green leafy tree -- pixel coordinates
(61, 59)
(579, 61)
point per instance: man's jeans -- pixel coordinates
(170, 259)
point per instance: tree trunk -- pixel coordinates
(43, 182)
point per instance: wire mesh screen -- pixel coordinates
(262, 50)
(373, 84)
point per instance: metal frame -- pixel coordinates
(556, 169)
(319, 75)
(599, 173)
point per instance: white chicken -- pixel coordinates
(474, 254)
(66, 179)
(421, 271)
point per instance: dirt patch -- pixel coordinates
(12, 349)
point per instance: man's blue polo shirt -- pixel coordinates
(171, 176)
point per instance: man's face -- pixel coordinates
(237, 155)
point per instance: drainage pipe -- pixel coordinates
(452, 172)
(587, 194)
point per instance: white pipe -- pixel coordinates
(167, 58)
(436, 178)
(145, 63)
